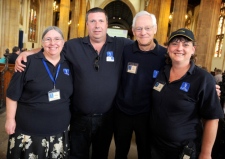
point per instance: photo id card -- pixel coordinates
(109, 56)
(132, 67)
(158, 86)
(54, 95)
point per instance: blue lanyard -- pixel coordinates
(49, 73)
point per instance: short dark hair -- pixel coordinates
(96, 10)
(15, 49)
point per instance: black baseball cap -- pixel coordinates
(182, 32)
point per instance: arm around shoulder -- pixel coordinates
(23, 57)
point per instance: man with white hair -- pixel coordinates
(142, 61)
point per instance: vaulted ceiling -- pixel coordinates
(119, 14)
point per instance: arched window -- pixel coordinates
(220, 32)
(33, 21)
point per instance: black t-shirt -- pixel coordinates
(94, 91)
(140, 69)
(35, 115)
(179, 106)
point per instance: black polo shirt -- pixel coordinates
(134, 95)
(35, 114)
(179, 106)
(94, 91)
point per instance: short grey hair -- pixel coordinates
(142, 13)
(52, 28)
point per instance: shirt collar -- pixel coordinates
(190, 70)
(154, 51)
(86, 39)
(40, 55)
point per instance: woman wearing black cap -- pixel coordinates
(186, 107)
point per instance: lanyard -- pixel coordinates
(49, 73)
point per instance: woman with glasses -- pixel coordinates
(38, 103)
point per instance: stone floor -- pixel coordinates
(4, 138)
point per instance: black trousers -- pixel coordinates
(125, 125)
(91, 131)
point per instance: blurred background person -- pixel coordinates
(14, 54)
(218, 75)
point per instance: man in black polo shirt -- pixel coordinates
(141, 64)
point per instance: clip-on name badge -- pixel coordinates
(132, 67)
(158, 86)
(53, 95)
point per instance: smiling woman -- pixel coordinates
(38, 122)
(52, 43)
(185, 103)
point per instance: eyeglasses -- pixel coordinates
(48, 40)
(139, 29)
(96, 65)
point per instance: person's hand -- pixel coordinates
(10, 126)
(218, 90)
(18, 64)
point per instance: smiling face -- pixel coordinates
(52, 43)
(144, 31)
(97, 25)
(180, 50)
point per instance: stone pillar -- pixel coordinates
(9, 25)
(46, 19)
(205, 33)
(153, 7)
(163, 21)
(179, 12)
(82, 23)
(161, 10)
(75, 6)
(1, 18)
(64, 17)
(87, 8)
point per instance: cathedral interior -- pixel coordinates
(24, 20)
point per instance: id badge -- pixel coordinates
(53, 95)
(132, 67)
(158, 86)
(109, 56)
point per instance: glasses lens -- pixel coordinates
(96, 65)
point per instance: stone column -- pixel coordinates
(153, 7)
(75, 6)
(82, 23)
(9, 25)
(179, 12)
(64, 17)
(163, 21)
(205, 33)
(161, 10)
(46, 19)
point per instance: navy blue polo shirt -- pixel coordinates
(35, 114)
(94, 91)
(134, 95)
(179, 106)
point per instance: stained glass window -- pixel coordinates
(33, 21)
(220, 32)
